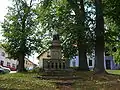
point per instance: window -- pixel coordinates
(8, 64)
(108, 64)
(1, 63)
(90, 62)
(13, 65)
(73, 62)
(2, 53)
(48, 54)
(26, 62)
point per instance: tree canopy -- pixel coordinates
(84, 25)
(20, 31)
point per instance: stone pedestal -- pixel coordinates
(55, 64)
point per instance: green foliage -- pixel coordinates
(20, 29)
(87, 80)
(59, 16)
(56, 17)
(25, 81)
(111, 12)
(35, 70)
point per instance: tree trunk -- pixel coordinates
(80, 19)
(99, 44)
(83, 65)
(21, 63)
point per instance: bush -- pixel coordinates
(35, 70)
(74, 68)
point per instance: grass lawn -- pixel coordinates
(117, 72)
(24, 81)
(91, 81)
(87, 81)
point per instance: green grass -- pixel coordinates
(88, 81)
(117, 72)
(25, 81)
(91, 81)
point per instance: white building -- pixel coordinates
(43, 55)
(109, 62)
(74, 62)
(6, 62)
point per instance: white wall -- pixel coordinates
(93, 61)
(76, 60)
(44, 55)
(5, 59)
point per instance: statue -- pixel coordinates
(55, 36)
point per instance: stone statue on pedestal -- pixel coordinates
(55, 62)
(55, 36)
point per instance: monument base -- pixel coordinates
(67, 74)
(55, 64)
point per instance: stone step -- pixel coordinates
(59, 77)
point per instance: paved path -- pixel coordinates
(13, 71)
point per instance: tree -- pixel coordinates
(57, 17)
(111, 12)
(69, 19)
(20, 31)
(99, 44)
(80, 21)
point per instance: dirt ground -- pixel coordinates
(90, 81)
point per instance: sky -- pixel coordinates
(3, 8)
(3, 11)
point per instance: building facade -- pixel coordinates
(5, 61)
(29, 64)
(109, 62)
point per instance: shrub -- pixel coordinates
(35, 70)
